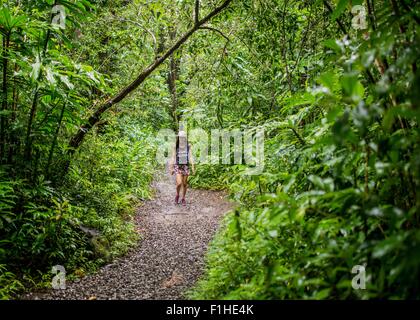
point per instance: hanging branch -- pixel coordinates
(77, 139)
(197, 12)
(215, 30)
(298, 136)
(145, 29)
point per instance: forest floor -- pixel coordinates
(168, 259)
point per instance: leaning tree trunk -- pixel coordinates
(78, 138)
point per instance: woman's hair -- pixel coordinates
(177, 141)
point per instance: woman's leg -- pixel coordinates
(179, 183)
(184, 186)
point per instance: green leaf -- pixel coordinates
(333, 44)
(329, 80)
(352, 87)
(36, 67)
(67, 82)
(339, 9)
(323, 294)
(50, 76)
(387, 246)
(9, 22)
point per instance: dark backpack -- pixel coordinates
(188, 154)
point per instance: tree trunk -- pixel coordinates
(54, 142)
(4, 106)
(13, 139)
(28, 140)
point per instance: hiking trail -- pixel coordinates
(169, 257)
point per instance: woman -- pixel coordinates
(180, 161)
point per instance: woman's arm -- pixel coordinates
(172, 162)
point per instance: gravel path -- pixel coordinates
(170, 257)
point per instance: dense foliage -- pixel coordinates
(55, 212)
(339, 106)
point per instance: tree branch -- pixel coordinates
(215, 30)
(301, 140)
(330, 10)
(144, 28)
(77, 139)
(197, 12)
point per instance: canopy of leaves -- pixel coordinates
(339, 105)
